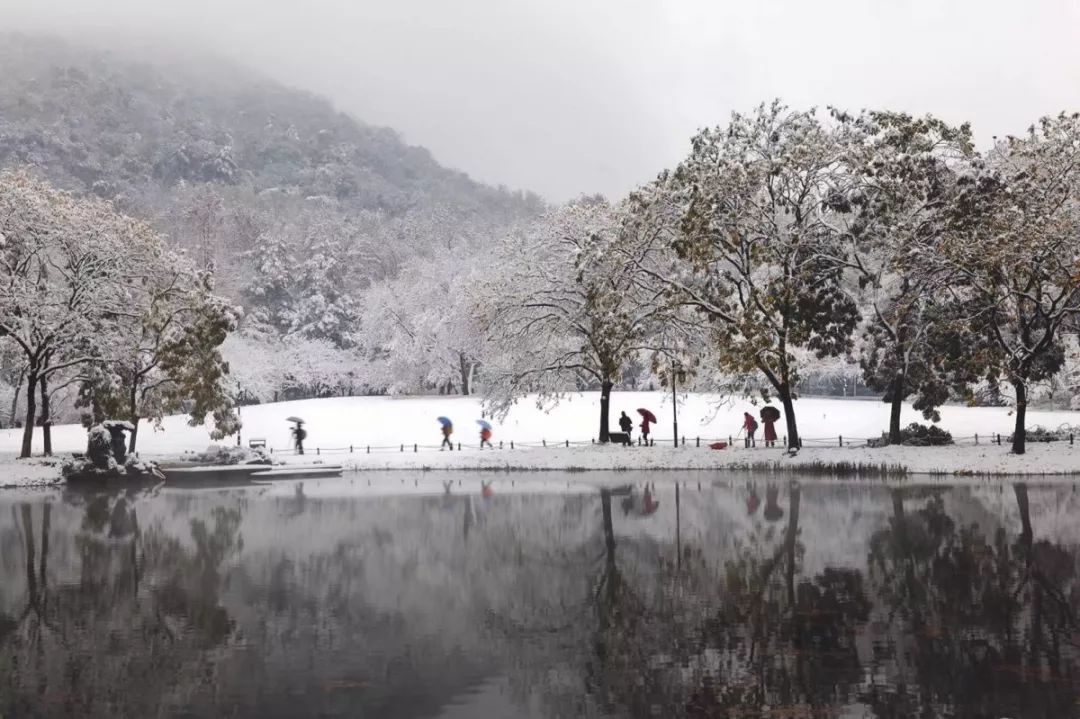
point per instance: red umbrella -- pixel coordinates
(646, 414)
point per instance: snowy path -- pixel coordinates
(389, 425)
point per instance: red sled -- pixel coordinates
(718, 445)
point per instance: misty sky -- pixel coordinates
(571, 96)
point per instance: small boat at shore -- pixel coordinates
(243, 474)
(310, 471)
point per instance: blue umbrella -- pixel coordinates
(484, 424)
(445, 421)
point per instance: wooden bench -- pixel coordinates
(256, 443)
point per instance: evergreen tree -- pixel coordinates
(899, 188)
(1014, 251)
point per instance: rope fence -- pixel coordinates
(730, 442)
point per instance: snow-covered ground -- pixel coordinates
(377, 428)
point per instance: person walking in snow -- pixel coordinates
(299, 435)
(485, 437)
(645, 430)
(447, 430)
(750, 425)
(626, 424)
(770, 416)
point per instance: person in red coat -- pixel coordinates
(769, 417)
(645, 430)
(750, 425)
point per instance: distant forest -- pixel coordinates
(300, 209)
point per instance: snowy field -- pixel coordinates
(376, 428)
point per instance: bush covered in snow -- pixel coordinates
(1038, 433)
(918, 435)
(216, 454)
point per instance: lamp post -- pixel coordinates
(239, 420)
(674, 405)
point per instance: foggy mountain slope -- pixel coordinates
(135, 132)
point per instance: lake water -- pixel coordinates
(397, 596)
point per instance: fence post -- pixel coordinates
(402, 448)
(999, 439)
(697, 441)
(350, 449)
(567, 444)
(544, 441)
(317, 451)
(976, 438)
(369, 449)
(684, 440)
(511, 444)
(459, 446)
(730, 441)
(841, 440)
(414, 448)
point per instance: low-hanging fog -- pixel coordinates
(573, 96)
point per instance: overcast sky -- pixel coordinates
(571, 96)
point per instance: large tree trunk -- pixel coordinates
(789, 414)
(46, 416)
(134, 436)
(31, 413)
(133, 417)
(605, 405)
(896, 404)
(464, 366)
(15, 398)
(1020, 430)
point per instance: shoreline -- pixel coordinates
(1058, 460)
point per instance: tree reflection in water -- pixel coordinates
(93, 642)
(924, 602)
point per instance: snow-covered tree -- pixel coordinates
(307, 280)
(563, 312)
(165, 356)
(1016, 257)
(901, 182)
(757, 252)
(421, 328)
(266, 368)
(61, 265)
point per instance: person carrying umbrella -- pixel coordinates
(750, 425)
(299, 433)
(447, 430)
(626, 424)
(770, 416)
(647, 418)
(485, 433)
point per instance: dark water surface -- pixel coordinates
(747, 598)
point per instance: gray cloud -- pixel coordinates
(573, 96)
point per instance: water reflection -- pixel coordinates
(466, 598)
